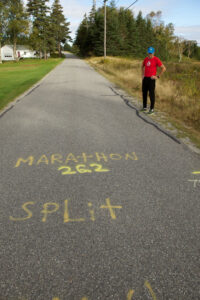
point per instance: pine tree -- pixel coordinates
(41, 29)
(141, 35)
(82, 36)
(97, 47)
(132, 34)
(3, 17)
(126, 35)
(59, 25)
(17, 22)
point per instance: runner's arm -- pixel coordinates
(143, 68)
(163, 69)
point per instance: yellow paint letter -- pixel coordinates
(148, 286)
(43, 159)
(57, 158)
(115, 156)
(133, 157)
(66, 215)
(111, 208)
(101, 156)
(92, 218)
(130, 294)
(46, 212)
(29, 160)
(71, 157)
(29, 213)
(86, 157)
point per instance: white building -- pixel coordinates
(21, 52)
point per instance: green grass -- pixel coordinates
(17, 77)
(177, 92)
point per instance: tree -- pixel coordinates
(141, 35)
(127, 35)
(155, 18)
(41, 35)
(59, 26)
(82, 36)
(17, 22)
(3, 19)
(132, 37)
(190, 48)
(163, 35)
(180, 44)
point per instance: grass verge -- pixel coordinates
(177, 92)
(17, 77)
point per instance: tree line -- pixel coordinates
(128, 35)
(42, 27)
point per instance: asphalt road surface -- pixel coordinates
(95, 203)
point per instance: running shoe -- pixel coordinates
(151, 111)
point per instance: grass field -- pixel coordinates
(17, 77)
(177, 92)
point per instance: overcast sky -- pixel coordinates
(184, 14)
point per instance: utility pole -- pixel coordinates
(105, 29)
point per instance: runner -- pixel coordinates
(149, 71)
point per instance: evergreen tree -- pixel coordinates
(82, 36)
(127, 35)
(114, 32)
(41, 36)
(3, 19)
(132, 34)
(17, 22)
(60, 27)
(141, 35)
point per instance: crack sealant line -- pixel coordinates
(144, 119)
(32, 89)
(4, 112)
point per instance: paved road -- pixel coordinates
(95, 202)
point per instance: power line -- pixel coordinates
(132, 4)
(117, 2)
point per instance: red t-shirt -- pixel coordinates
(151, 66)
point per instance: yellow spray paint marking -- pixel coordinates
(115, 156)
(133, 157)
(56, 298)
(195, 173)
(148, 286)
(43, 159)
(71, 157)
(130, 294)
(92, 218)
(66, 215)
(58, 158)
(195, 181)
(28, 160)
(68, 170)
(46, 212)
(51, 207)
(29, 213)
(85, 157)
(84, 298)
(82, 169)
(110, 208)
(101, 156)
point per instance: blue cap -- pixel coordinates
(151, 50)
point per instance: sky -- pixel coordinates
(184, 14)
